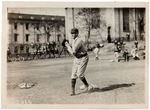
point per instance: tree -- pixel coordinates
(91, 17)
(87, 13)
(50, 25)
(47, 27)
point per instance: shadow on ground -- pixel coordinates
(109, 88)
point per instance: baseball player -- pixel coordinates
(134, 53)
(117, 50)
(97, 50)
(80, 60)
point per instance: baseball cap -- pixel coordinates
(74, 31)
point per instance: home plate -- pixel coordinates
(26, 85)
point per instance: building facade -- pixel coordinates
(127, 23)
(94, 24)
(28, 29)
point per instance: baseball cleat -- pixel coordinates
(72, 94)
(82, 87)
(90, 88)
(86, 89)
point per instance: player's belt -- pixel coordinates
(83, 55)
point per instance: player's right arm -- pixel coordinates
(69, 48)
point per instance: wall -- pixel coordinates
(38, 11)
(32, 31)
(133, 23)
(107, 18)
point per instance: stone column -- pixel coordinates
(68, 23)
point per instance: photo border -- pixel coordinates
(24, 4)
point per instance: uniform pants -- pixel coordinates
(79, 67)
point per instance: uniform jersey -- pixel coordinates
(79, 64)
(78, 46)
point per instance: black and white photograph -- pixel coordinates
(75, 55)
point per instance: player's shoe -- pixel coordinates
(90, 88)
(86, 89)
(82, 87)
(73, 93)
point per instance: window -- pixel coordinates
(58, 37)
(15, 26)
(27, 26)
(27, 37)
(57, 27)
(15, 37)
(38, 38)
(27, 49)
(95, 21)
(126, 20)
(48, 37)
(16, 50)
(37, 26)
(22, 47)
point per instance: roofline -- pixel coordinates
(20, 16)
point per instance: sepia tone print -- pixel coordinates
(76, 55)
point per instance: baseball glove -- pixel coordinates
(64, 41)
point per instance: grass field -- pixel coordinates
(52, 82)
